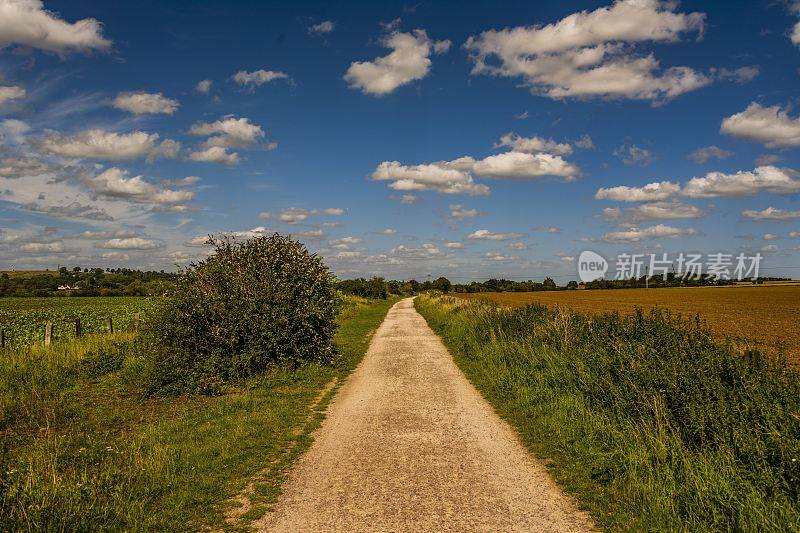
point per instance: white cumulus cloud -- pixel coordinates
(456, 177)
(230, 132)
(534, 145)
(11, 92)
(326, 26)
(459, 212)
(520, 165)
(486, 235)
(771, 214)
(131, 243)
(427, 177)
(408, 61)
(674, 210)
(770, 126)
(203, 86)
(742, 183)
(215, 154)
(592, 53)
(101, 144)
(116, 183)
(293, 215)
(703, 154)
(258, 78)
(141, 103)
(658, 231)
(28, 23)
(650, 192)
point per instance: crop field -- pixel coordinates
(651, 421)
(23, 319)
(765, 315)
(27, 273)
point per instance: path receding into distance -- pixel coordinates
(409, 445)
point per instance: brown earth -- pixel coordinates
(410, 445)
(757, 316)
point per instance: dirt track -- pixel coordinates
(410, 445)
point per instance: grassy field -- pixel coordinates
(82, 449)
(28, 273)
(651, 422)
(23, 319)
(762, 316)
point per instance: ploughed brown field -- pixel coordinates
(767, 315)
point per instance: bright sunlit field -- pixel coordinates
(24, 319)
(766, 315)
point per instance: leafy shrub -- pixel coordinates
(250, 304)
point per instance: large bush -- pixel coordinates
(250, 304)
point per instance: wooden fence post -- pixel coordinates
(2, 338)
(78, 329)
(48, 333)
(136, 322)
(109, 325)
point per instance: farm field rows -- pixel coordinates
(23, 319)
(766, 315)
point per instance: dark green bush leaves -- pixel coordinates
(250, 304)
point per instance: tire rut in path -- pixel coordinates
(409, 445)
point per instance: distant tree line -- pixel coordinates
(507, 285)
(380, 288)
(79, 281)
(377, 287)
(704, 280)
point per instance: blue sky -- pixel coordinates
(471, 141)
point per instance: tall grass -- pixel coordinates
(83, 448)
(649, 420)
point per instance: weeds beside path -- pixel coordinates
(84, 451)
(409, 445)
(648, 419)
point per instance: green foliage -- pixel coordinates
(506, 285)
(372, 288)
(82, 450)
(89, 282)
(23, 319)
(250, 304)
(652, 422)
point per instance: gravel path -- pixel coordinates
(410, 445)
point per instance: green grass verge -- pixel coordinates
(650, 422)
(83, 450)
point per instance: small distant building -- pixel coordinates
(581, 286)
(68, 288)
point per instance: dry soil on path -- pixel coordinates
(409, 445)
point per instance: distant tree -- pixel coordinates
(442, 284)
